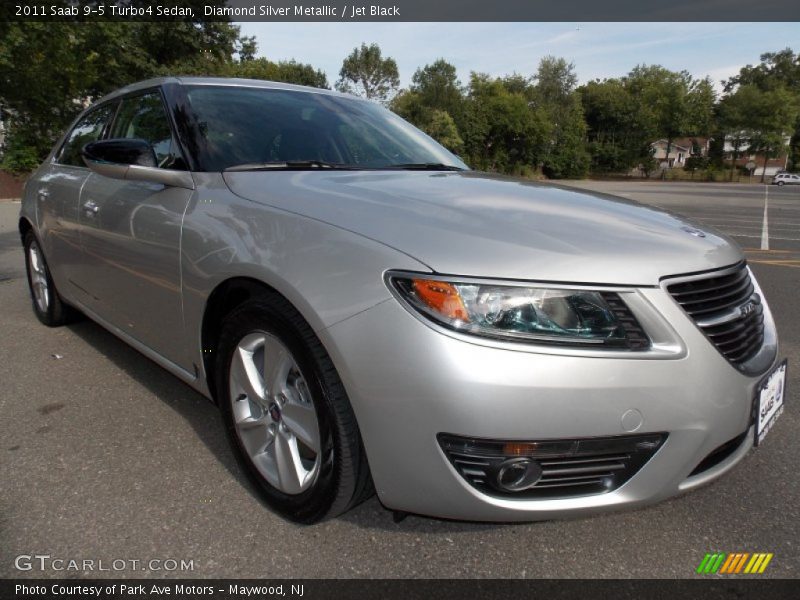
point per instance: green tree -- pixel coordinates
(246, 48)
(771, 119)
(759, 120)
(501, 131)
(286, 71)
(555, 80)
(619, 130)
(433, 103)
(564, 153)
(735, 111)
(438, 87)
(366, 73)
(776, 70)
(50, 71)
(410, 106)
(664, 94)
(701, 101)
(442, 128)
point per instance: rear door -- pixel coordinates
(57, 196)
(131, 234)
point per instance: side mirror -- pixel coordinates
(120, 152)
(132, 159)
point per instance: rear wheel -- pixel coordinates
(287, 414)
(47, 304)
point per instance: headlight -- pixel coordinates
(524, 314)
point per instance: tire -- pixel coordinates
(268, 417)
(48, 306)
(780, 183)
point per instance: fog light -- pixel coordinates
(549, 468)
(516, 474)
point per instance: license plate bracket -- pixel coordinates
(768, 402)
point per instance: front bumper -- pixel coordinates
(408, 382)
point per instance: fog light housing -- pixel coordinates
(514, 474)
(553, 468)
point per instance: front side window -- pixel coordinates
(240, 126)
(143, 117)
(88, 129)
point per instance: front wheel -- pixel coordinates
(287, 414)
(47, 304)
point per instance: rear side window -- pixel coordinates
(88, 129)
(143, 117)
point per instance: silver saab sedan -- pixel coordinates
(371, 314)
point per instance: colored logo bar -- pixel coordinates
(734, 563)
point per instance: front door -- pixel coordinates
(131, 236)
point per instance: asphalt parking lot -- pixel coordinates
(105, 456)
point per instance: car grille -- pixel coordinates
(716, 302)
(570, 467)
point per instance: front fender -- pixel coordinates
(328, 273)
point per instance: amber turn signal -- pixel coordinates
(519, 448)
(442, 297)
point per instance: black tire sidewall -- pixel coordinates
(313, 504)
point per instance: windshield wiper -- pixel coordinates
(426, 167)
(288, 165)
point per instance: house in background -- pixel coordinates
(746, 158)
(679, 150)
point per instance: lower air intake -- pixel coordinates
(549, 469)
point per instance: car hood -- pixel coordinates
(483, 225)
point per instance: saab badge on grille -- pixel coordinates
(747, 308)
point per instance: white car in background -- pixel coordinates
(786, 179)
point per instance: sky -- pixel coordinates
(598, 50)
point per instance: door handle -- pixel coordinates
(44, 194)
(90, 208)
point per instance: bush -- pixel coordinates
(19, 159)
(696, 163)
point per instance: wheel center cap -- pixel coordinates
(274, 412)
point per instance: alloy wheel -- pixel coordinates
(38, 277)
(274, 415)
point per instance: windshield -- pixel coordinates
(250, 127)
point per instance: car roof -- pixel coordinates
(218, 81)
